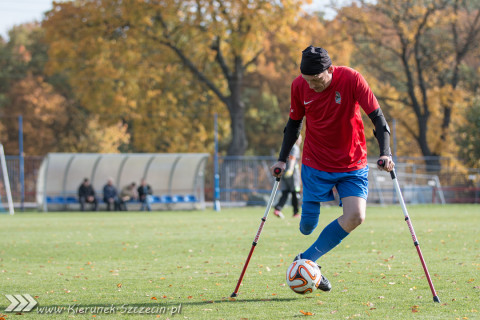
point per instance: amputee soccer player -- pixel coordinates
(334, 153)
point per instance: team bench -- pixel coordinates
(166, 199)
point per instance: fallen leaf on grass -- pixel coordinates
(415, 309)
(119, 285)
(306, 313)
(153, 298)
(334, 311)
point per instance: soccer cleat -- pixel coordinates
(278, 213)
(324, 284)
(296, 215)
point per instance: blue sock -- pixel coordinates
(330, 237)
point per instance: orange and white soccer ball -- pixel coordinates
(303, 276)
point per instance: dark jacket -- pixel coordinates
(85, 191)
(109, 192)
(143, 191)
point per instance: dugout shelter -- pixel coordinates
(177, 179)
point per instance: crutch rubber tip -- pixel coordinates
(436, 299)
(234, 295)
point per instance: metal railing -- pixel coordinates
(246, 180)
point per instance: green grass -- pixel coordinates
(193, 259)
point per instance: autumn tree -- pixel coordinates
(52, 120)
(268, 88)
(416, 50)
(468, 134)
(201, 51)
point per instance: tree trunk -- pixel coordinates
(239, 144)
(236, 108)
(432, 160)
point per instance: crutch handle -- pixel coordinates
(381, 163)
(277, 171)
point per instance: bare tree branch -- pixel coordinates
(199, 74)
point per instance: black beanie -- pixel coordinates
(315, 60)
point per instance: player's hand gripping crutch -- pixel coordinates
(255, 241)
(412, 232)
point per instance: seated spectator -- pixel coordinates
(128, 193)
(110, 196)
(86, 194)
(145, 195)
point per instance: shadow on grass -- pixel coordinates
(236, 300)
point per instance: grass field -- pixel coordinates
(189, 262)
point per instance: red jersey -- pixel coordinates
(335, 139)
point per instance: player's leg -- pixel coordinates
(281, 202)
(294, 195)
(317, 187)
(309, 217)
(353, 190)
(354, 211)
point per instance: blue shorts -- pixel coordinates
(318, 185)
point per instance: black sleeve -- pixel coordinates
(290, 135)
(381, 132)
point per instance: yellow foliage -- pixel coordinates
(105, 139)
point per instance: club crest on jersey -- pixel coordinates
(338, 97)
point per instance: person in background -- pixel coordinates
(145, 195)
(86, 194)
(291, 182)
(128, 193)
(110, 196)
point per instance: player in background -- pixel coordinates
(290, 184)
(334, 152)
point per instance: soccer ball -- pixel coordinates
(303, 276)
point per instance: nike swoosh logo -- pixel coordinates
(307, 102)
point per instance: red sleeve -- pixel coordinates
(297, 109)
(364, 95)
